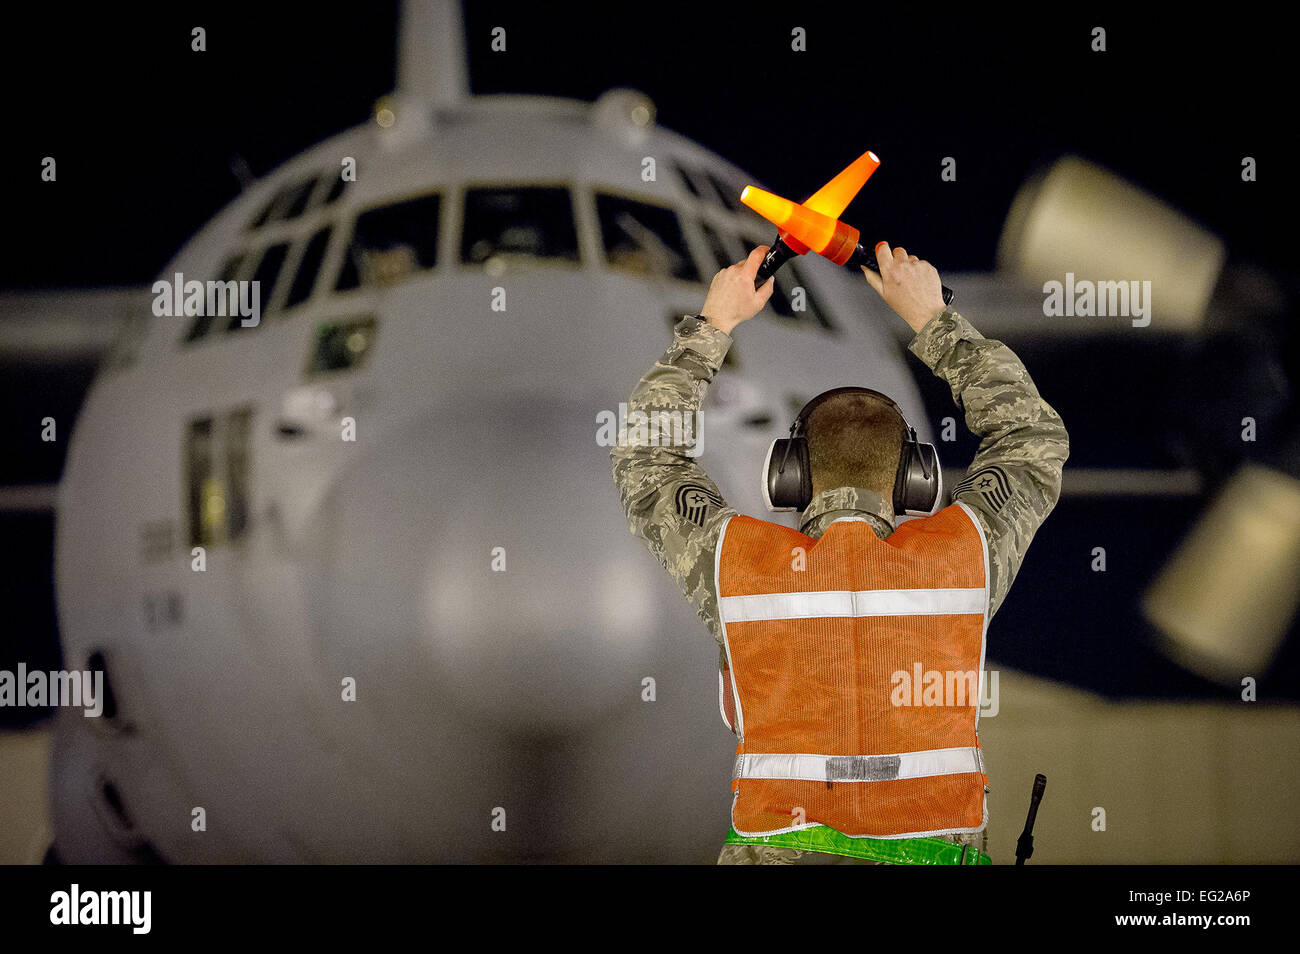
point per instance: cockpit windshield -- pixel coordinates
(530, 221)
(643, 238)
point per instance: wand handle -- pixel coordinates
(862, 256)
(778, 253)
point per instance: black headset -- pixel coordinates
(787, 474)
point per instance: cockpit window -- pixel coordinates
(643, 238)
(729, 195)
(688, 180)
(391, 243)
(337, 185)
(289, 203)
(268, 271)
(532, 221)
(203, 323)
(260, 219)
(711, 187)
(305, 279)
(296, 203)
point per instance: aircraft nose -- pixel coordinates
(481, 556)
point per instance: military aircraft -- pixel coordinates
(348, 552)
(392, 477)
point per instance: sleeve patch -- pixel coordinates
(989, 482)
(692, 502)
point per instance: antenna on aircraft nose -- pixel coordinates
(431, 63)
(239, 168)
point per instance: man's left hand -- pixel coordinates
(732, 297)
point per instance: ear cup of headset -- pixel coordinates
(790, 487)
(918, 488)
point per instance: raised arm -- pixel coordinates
(1015, 479)
(669, 501)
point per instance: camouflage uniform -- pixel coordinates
(1012, 484)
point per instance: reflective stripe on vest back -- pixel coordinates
(856, 666)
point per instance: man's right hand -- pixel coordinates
(908, 284)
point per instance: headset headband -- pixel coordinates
(787, 483)
(800, 425)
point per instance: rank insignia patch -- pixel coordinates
(989, 482)
(693, 501)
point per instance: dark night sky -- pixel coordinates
(144, 129)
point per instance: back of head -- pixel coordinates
(854, 440)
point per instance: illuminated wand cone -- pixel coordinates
(834, 197)
(831, 199)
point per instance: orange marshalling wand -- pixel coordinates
(802, 226)
(815, 225)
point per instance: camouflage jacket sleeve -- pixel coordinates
(1015, 479)
(669, 501)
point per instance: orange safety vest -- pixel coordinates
(854, 672)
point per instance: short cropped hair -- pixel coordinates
(854, 440)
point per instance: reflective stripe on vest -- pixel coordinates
(859, 768)
(740, 609)
(827, 643)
